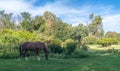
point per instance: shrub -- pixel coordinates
(64, 44)
(107, 41)
(69, 46)
(55, 48)
(80, 54)
(8, 51)
(113, 50)
(89, 40)
(54, 45)
(10, 40)
(81, 51)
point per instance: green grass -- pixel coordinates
(93, 63)
(99, 60)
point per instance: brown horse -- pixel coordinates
(33, 46)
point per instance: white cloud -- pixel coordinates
(68, 14)
(15, 6)
(112, 23)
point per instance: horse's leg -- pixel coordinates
(46, 54)
(26, 58)
(37, 55)
(20, 55)
(20, 52)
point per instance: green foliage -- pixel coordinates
(7, 37)
(55, 26)
(69, 47)
(60, 30)
(38, 24)
(52, 31)
(80, 54)
(89, 40)
(110, 34)
(9, 51)
(107, 41)
(115, 35)
(96, 26)
(8, 43)
(15, 36)
(26, 24)
(81, 51)
(112, 50)
(78, 32)
(55, 48)
(55, 45)
(10, 40)
(5, 20)
(42, 28)
(64, 44)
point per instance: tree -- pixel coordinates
(38, 23)
(26, 24)
(55, 26)
(111, 34)
(50, 20)
(79, 32)
(91, 16)
(61, 30)
(6, 20)
(96, 26)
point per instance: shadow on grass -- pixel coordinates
(9, 57)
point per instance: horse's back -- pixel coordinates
(33, 45)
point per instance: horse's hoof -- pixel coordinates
(38, 59)
(26, 58)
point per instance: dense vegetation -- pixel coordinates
(98, 61)
(63, 39)
(58, 35)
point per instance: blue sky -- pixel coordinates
(70, 11)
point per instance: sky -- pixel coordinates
(70, 11)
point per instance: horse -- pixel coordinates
(35, 47)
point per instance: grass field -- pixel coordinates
(98, 61)
(101, 63)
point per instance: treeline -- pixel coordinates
(61, 37)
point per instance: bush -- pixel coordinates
(55, 48)
(113, 50)
(54, 45)
(69, 47)
(81, 51)
(10, 40)
(89, 40)
(80, 54)
(107, 41)
(9, 51)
